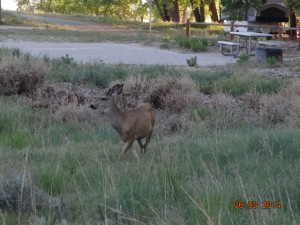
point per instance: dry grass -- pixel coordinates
(21, 75)
(168, 93)
(283, 107)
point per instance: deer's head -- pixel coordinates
(103, 100)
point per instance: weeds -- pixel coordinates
(21, 75)
(192, 62)
(272, 61)
(243, 58)
(197, 45)
(239, 85)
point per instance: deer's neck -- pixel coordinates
(115, 116)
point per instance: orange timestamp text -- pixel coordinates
(257, 205)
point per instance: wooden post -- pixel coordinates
(231, 29)
(280, 33)
(298, 38)
(188, 26)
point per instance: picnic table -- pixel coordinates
(248, 38)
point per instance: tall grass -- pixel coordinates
(191, 176)
(177, 181)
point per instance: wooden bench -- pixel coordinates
(285, 46)
(270, 43)
(234, 48)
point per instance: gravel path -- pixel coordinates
(111, 53)
(114, 53)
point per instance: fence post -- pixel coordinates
(231, 29)
(188, 26)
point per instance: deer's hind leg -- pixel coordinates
(126, 147)
(142, 147)
(148, 138)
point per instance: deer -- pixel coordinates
(132, 124)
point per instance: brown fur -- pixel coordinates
(132, 125)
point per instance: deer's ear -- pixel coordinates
(119, 89)
(110, 92)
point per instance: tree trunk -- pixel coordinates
(293, 23)
(213, 9)
(175, 12)
(196, 12)
(202, 12)
(183, 19)
(160, 12)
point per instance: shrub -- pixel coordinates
(169, 93)
(197, 45)
(19, 193)
(243, 58)
(99, 74)
(21, 75)
(272, 61)
(61, 68)
(207, 81)
(192, 62)
(237, 85)
(53, 98)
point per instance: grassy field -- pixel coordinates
(225, 148)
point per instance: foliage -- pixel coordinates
(237, 85)
(192, 62)
(19, 74)
(237, 9)
(196, 44)
(272, 61)
(243, 58)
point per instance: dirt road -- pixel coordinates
(114, 53)
(111, 53)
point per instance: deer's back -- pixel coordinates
(139, 121)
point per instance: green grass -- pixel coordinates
(177, 181)
(239, 84)
(195, 44)
(190, 177)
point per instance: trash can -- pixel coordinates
(263, 53)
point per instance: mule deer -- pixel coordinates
(131, 125)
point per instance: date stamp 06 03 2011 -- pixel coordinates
(257, 205)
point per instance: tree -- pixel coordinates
(213, 9)
(238, 9)
(198, 10)
(175, 12)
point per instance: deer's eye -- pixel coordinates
(104, 99)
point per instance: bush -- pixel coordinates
(238, 85)
(21, 75)
(192, 61)
(197, 45)
(206, 81)
(169, 93)
(243, 58)
(19, 193)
